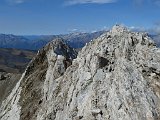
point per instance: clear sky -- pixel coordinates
(29, 17)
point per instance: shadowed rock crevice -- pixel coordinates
(102, 62)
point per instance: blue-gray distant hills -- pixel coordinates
(156, 38)
(35, 42)
(75, 40)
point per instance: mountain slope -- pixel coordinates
(114, 77)
(12, 41)
(56, 56)
(7, 83)
(14, 60)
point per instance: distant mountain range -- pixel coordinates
(12, 41)
(35, 42)
(156, 38)
(75, 40)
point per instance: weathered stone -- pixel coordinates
(115, 77)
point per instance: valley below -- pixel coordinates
(15, 60)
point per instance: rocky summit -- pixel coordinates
(114, 77)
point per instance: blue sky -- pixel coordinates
(29, 17)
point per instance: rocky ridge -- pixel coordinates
(114, 77)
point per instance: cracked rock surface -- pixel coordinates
(114, 77)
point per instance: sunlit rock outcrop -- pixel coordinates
(114, 77)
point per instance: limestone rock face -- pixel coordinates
(114, 77)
